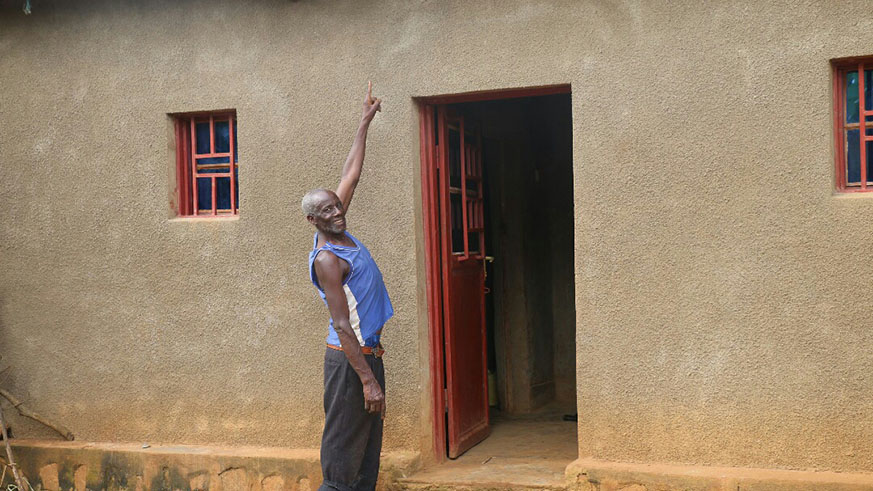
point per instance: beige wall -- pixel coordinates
(720, 284)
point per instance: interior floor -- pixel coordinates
(522, 451)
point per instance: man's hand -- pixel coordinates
(374, 398)
(371, 106)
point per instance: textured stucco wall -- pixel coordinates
(125, 325)
(720, 284)
(720, 281)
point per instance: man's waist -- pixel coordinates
(377, 350)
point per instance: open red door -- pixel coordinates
(459, 156)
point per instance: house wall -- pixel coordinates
(720, 283)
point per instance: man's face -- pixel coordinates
(329, 215)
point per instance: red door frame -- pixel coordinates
(431, 215)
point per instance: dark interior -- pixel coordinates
(530, 310)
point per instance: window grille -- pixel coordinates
(853, 124)
(207, 164)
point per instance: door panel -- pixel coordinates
(462, 226)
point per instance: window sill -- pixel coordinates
(853, 194)
(206, 218)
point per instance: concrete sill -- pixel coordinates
(603, 475)
(229, 218)
(854, 195)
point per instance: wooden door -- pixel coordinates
(459, 156)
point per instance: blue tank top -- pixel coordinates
(367, 297)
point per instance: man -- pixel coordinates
(351, 285)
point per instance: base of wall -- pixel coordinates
(597, 475)
(61, 465)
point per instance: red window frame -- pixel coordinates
(468, 218)
(188, 170)
(841, 68)
(473, 207)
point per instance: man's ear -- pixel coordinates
(310, 219)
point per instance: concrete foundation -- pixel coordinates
(80, 466)
(56, 466)
(596, 475)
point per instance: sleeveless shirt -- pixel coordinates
(367, 297)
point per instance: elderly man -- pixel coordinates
(350, 283)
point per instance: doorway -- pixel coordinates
(499, 225)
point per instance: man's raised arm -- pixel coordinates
(355, 160)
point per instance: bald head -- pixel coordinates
(313, 198)
(324, 209)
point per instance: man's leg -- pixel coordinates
(346, 423)
(370, 464)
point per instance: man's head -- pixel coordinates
(324, 209)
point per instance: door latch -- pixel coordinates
(485, 261)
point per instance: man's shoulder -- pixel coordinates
(326, 257)
(329, 267)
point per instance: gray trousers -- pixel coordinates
(352, 438)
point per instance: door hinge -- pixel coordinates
(446, 400)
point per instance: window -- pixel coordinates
(853, 104)
(466, 203)
(208, 185)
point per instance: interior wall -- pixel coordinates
(550, 244)
(504, 178)
(555, 135)
(530, 183)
